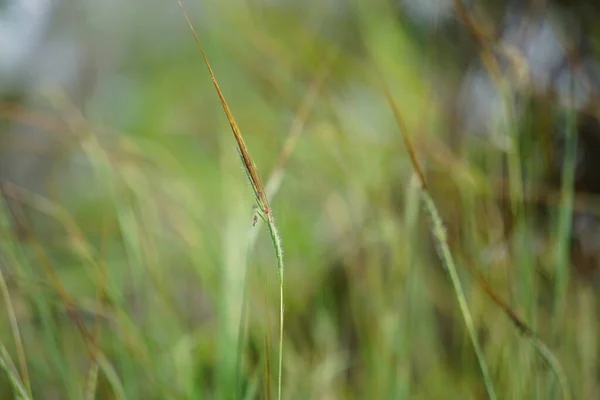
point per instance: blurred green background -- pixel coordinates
(141, 276)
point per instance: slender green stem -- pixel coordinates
(14, 325)
(554, 364)
(7, 365)
(565, 218)
(444, 251)
(279, 254)
(440, 236)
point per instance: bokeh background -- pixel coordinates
(130, 265)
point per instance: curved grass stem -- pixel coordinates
(264, 209)
(446, 256)
(444, 250)
(276, 239)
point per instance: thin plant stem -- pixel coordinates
(444, 252)
(264, 209)
(7, 365)
(565, 218)
(276, 176)
(16, 334)
(477, 30)
(446, 256)
(527, 333)
(279, 254)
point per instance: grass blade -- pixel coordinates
(261, 197)
(445, 254)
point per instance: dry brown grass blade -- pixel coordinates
(404, 133)
(249, 165)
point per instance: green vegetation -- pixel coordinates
(147, 277)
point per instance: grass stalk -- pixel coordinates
(264, 209)
(516, 197)
(16, 334)
(276, 177)
(445, 254)
(8, 366)
(565, 218)
(528, 333)
(439, 233)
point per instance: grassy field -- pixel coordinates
(146, 278)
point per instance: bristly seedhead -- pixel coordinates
(249, 166)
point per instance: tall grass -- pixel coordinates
(264, 209)
(144, 277)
